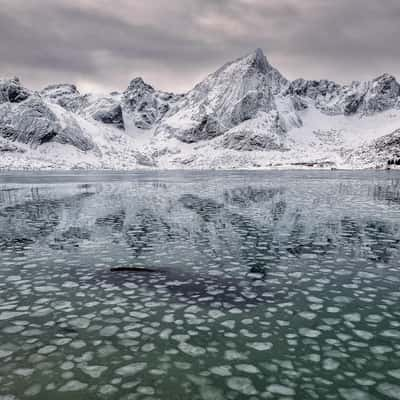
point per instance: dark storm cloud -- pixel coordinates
(101, 44)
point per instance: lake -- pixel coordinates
(243, 285)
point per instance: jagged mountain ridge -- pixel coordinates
(366, 98)
(246, 114)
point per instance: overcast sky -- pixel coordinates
(102, 44)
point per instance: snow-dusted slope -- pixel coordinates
(27, 118)
(245, 115)
(238, 92)
(380, 151)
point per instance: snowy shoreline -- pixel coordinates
(178, 169)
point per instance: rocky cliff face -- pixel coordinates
(25, 117)
(365, 98)
(143, 106)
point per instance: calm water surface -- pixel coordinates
(256, 285)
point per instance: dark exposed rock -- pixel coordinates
(312, 89)
(111, 114)
(12, 91)
(134, 269)
(352, 103)
(250, 141)
(143, 106)
(207, 128)
(383, 93)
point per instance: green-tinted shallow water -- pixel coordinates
(275, 285)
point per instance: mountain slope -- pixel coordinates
(26, 118)
(244, 115)
(240, 91)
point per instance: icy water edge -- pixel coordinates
(257, 285)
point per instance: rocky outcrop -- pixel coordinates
(264, 134)
(12, 91)
(383, 93)
(143, 106)
(313, 89)
(110, 114)
(66, 96)
(33, 122)
(107, 110)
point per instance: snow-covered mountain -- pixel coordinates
(244, 115)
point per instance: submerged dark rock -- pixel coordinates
(134, 269)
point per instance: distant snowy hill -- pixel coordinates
(245, 115)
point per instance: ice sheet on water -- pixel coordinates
(242, 385)
(390, 390)
(249, 291)
(94, 371)
(131, 369)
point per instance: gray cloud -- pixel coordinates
(101, 45)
